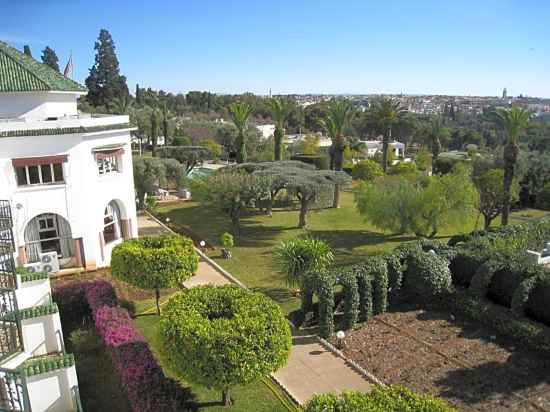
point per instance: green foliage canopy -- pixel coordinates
(221, 336)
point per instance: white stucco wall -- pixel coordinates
(38, 105)
(42, 335)
(51, 392)
(82, 199)
(33, 293)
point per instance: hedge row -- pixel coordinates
(380, 399)
(146, 386)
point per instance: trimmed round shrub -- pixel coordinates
(155, 262)
(221, 336)
(380, 399)
(538, 303)
(427, 276)
(464, 265)
(482, 278)
(507, 278)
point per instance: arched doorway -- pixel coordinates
(48, 232)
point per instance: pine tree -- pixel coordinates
(50, 58)
(27, 50)
(105, 83)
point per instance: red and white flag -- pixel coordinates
(69, 67)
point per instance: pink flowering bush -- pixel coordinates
(115, 326)
(100, 293)
(146, 386)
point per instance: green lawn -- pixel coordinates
(258, 397)
(344, 229)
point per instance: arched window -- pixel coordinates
(112, 225)
(48, 233)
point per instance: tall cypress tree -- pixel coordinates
(27, 50)
(138, 96)
(154, 132)
(105, 83)
(50, 58)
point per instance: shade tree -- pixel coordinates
(222, 336)
(155, 262)
(188, 156)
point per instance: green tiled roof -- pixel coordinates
(21, 73)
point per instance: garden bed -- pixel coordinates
(463, 362)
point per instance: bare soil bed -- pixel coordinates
(461, 361)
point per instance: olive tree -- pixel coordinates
(230, 191)
(188, 156)
(155, 262)
(222, 336)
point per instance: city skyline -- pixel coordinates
(467, 49)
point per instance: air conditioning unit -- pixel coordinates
(49, 261)
(33, 267)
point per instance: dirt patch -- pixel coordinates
(463, 362)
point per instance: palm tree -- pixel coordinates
(299, 257)
(280, 109)
(387, 112)
(514, 121)
(240, 112)
(336, 117)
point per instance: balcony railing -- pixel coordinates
(10, 326)
(13, 392)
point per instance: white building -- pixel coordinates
(68, 176)
(374, 146)
(267, 130)
(66, 199)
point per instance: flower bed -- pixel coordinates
(146, 386)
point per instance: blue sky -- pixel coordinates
(423, 46)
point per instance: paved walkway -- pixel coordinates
(311, 369)
(314, 369)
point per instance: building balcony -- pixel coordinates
(85, 121)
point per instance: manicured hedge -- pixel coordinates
(143, 380)
(380, 399)
(507, 278)
(427, 276)
(465, 263)
(538, 302)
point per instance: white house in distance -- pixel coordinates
(67, 176)
(266, 130)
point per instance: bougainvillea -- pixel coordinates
(144, 382)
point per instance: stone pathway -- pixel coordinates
(311, 369)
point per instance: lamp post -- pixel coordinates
(340, 336)
(202, 244)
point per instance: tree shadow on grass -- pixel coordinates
(351, 239)
(279, 295)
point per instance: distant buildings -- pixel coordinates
(266, 130)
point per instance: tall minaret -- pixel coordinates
(504, 94)
(270, 92)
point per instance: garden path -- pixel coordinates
(311, 369)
